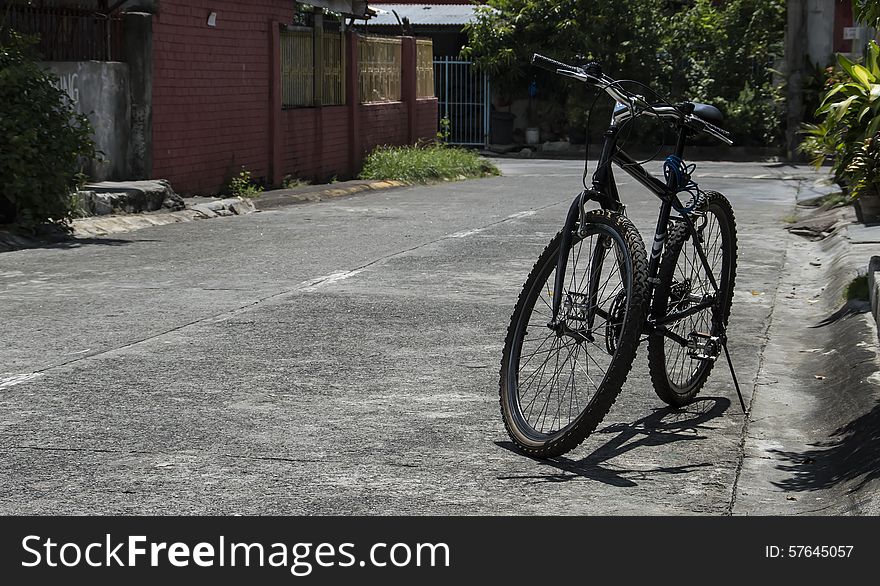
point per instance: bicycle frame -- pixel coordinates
(604, 191)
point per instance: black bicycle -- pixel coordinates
(594, 291)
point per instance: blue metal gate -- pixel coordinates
(463, 98)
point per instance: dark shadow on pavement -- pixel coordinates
(79, 242)
(849, 309)
(663, 426)
(68, 243)
(851, 454)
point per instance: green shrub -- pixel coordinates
(243, 185)
(43, 140)
(425, 163)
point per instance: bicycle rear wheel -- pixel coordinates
(558, 381)
(679, 371)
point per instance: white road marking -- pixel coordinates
(9, 380)
(318, 282)
(524, 214)
(465, 233)
(324, 280)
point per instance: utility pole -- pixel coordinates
(795, 58)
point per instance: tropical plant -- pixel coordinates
(848, 115)
(864, 170)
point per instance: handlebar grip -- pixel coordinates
(700, 125)
(552, 64)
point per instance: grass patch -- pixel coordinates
(790, 218)
(857, 288)
(291, 182)
(426, 163)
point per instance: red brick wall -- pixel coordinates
(212, 103)
(383, 124)
(310, 132)
(211, 90)
(426, 118)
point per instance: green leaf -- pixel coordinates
(841, 108)
(862, 75)
(873, 126)
(846, 64)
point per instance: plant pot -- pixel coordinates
(533, 135)
(868, 208)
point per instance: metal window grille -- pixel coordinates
(424, 68)
(334, 69)
(379, 69)
(297, 68)
(307, 78)
(67, 33)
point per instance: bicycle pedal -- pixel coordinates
(702, 346)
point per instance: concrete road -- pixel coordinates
(342, 357)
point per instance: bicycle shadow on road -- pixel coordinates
(664, 426)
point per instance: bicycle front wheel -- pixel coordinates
(681, 360)
(558, 380)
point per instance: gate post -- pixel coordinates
(139, 56)
(353, 101)
(408, 84)
(275, 117)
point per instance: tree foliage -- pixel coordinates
(719, 53)
(867, 12)
(43, 140)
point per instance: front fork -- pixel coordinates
(571, 221)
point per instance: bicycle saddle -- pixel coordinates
(708, 113)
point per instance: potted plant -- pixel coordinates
(864, 175)
(848, 122)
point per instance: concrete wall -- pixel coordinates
(820, 31)
(100, 90)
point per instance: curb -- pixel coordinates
(874, 288)
(105, 225)
(282, 197)
(810, 441)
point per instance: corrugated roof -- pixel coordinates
(433, 14)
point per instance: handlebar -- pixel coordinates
(552, 65)
(634, 104)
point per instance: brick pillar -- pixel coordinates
(275, 120)
(408, 85)
(352, 100)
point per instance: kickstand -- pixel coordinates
(733, 374)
